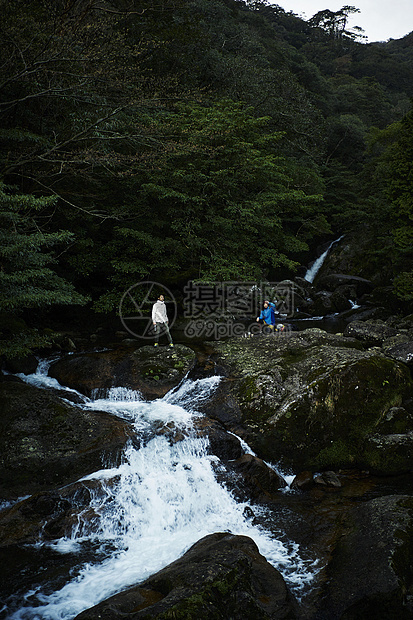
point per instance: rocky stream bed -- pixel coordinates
(310, 432)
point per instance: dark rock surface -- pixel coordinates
(50, 515)
(151, 370)
(222, 576)
(314, 400)
(335, 281)
(402, 352)
(370, 575)
(262, 481)
(303, 481)
(25, 365)
(45, 442)
(320, 401)
(373, 333)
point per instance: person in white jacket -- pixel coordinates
(160, 320)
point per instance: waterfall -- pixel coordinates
(163, 498)
(315, 267)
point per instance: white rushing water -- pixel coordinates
(315, 267)
(162, 499)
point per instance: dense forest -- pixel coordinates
(211, 140)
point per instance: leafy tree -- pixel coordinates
(388, 63)
(27, 278)
(89, 113)
(346, 141)
(72, 79)
(400, 192)
(387, 184)
(218, 204)
(343, 206)
(334, 23)
(365, 98)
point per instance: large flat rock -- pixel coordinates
(151, 370)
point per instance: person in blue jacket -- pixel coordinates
(267, 317)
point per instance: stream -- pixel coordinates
(146, 513)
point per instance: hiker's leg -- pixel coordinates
(168, 334)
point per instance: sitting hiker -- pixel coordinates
(267, 317)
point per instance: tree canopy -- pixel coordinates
(206, 139)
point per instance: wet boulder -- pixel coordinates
(323, 303)
(341, 297)
(260, 479)
(305, 285)
(394, 337)
(24, 522)
(316, 401)
(401, 351)
(222, 444)
(46, 442)
(335, 281)
(328, 479)
(390, 453)
(400, 346)
(151, 370)
(220, 576)
(26, 365)
(303, 481)
(54, 514)
(370, 332)
(379, 535)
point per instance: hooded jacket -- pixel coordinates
(159, 312)
(268, 314)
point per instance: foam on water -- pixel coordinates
(162, 499)
(41, 379)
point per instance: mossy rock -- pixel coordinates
(45, 442)
(158, 369)
(220, 576)
(313, 400)
(151, 370)
(376, 535)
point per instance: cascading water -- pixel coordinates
(147, 512)
(315, 267)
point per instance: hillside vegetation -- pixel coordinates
(170, 140)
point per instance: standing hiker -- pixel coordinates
(160, 320)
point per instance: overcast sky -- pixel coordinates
(380, 19)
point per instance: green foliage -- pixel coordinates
(219, 178)
(19, 343)
(27, 280)
(403, 285)
(346, 140)
(334, 23)
(400, 191)
(365, 98)
(387, 177)
(190, 139)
